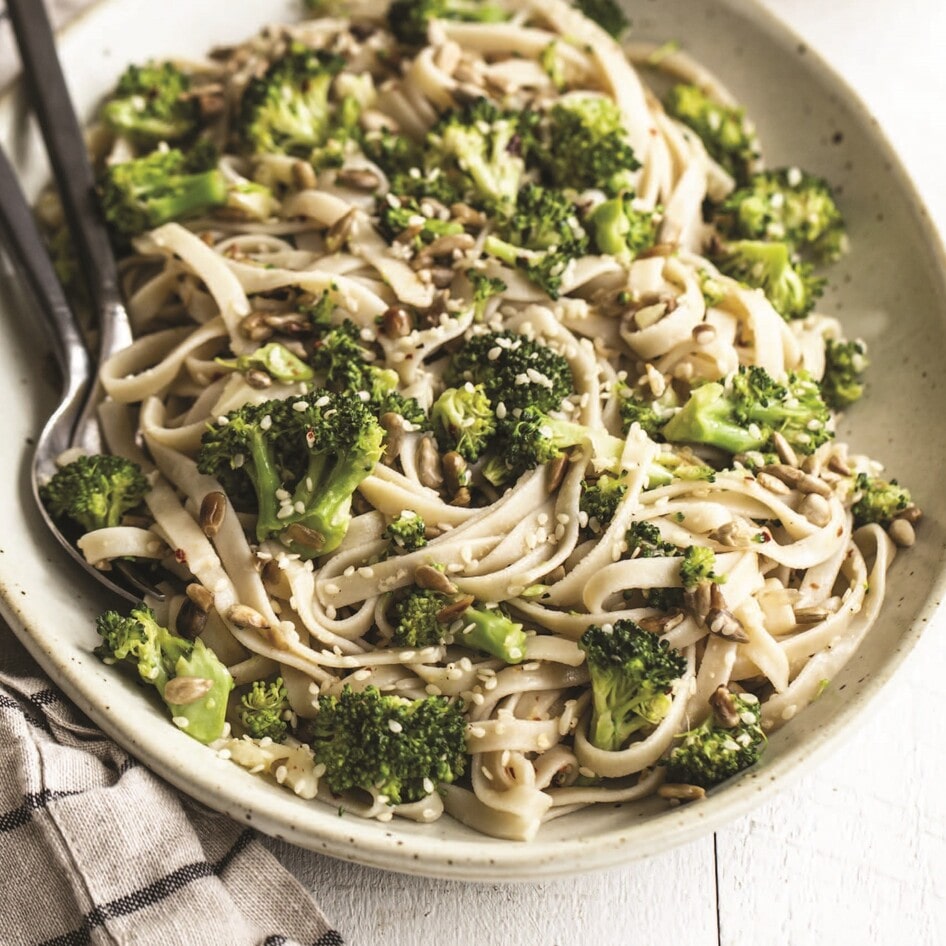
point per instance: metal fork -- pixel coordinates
(74, 423)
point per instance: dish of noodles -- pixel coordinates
(484, 414)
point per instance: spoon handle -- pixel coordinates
(65, 144)
(22, 239)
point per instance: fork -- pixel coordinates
(74, 423)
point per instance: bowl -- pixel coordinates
(890, 290)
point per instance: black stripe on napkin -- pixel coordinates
(34, 801)
(159, 890)
(7, 702)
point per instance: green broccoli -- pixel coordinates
(729, 137)
(644, 540)
(273, 358)
(618, 230)
(843, 380)
(484, 288)
(788, 205)
(401, 749)
(463, 419)
(599, 500)
(304, 459)
(715, 751)
(697, 566)
(162, 186)
(151, 104)
(541, 236)
(401, 217)
(789, 284)
(406, 533)
(745, 410)
(347, 369)
(189, 677)
(530, 437)
(482, 149)
(877, 500)
(606, 13)
(632, 677)
(513, 370)
(287, 110)
(263, 710)
(587, 146)
(422, 618)
(95, 491)
(634, 409)
(408, 19)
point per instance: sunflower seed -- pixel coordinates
(182, 691)
(213, 511)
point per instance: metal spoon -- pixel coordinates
(74, 423)
(63, 429)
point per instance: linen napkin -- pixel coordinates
(94, 849)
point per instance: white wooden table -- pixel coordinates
(853, 853)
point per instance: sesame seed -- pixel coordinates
(395, 726)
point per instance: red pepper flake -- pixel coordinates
(181, 556)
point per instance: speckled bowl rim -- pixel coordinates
(34, 608)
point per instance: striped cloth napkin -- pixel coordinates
(97, 850)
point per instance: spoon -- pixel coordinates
(70, 425)
(74, 423)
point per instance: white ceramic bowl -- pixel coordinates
(890, 290)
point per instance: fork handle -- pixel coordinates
(21, 236)
(65, 144)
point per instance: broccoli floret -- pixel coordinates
(588, 146)
(189, 677)
(95, 491)
(531, 437)
(878, 500)
(408, 19)
(714, 752)
(402, 217)
(606, 13)
(162, 186)
(287, 109)
(484, 288)
(395, 154)
(263, 708)
(463, 420)
(308, 454)
(599, 500)
(843, 380)
(492, 631)
(632, 677)
(636, 410)
(422, 617)
(318, 312)
(645, 541)
(483, 149)
(150, 104)
(406, 533)
(744, 411)
(542, 236)
(514, 370)
(789, 284)
(401, 749)
(729, 137)
(273, 358)
(346, 367)
(787, 205)
(621, 231)
(697, 566)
